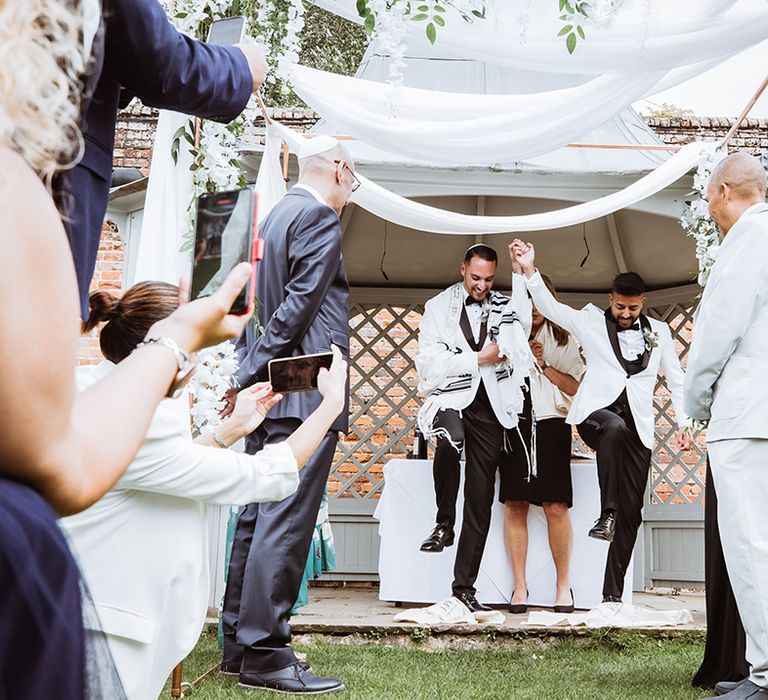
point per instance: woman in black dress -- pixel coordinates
(544, 478)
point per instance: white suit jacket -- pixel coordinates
(143, 548)
(726, 382)
(606, 377)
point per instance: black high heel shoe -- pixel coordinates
(518, 608)
(566, 608)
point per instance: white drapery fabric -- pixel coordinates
(639, 47)
(165, 222)
(421, 217)
(445, 127)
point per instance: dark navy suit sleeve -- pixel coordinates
(167, 69)
(313, 257)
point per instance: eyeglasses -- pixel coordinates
(355, 181)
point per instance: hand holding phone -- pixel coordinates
(332, 383)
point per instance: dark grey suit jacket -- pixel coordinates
(302, 297)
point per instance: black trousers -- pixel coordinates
(623, 463)
(483, 437)
(269, 554)
(446, 468)
(726, 647)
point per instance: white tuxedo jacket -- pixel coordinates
(143, 548)
(606, 376)
(726, 382)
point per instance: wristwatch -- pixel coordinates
(183, 360)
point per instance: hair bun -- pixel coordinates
(104, 307)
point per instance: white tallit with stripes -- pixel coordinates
(447, 366)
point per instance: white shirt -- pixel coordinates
(313, 192)
(631, 343)
(475, 315)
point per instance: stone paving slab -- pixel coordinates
(350, 610)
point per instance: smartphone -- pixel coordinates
(225, 235)
(227, 31)
(297, 373)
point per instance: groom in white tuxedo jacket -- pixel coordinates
(726, 385)
(613, 408)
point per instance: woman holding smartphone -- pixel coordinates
(553, 382)
(61, 451)
(143, 547)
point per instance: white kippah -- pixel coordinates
(317, 145)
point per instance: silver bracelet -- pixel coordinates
(216, 439)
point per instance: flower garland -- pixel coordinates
(696, 221)
(214, 376)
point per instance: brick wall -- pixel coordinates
(752, 135)
(108, 276)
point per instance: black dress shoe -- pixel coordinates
(604, 527)
(724, 687)
(441, 537)
(471, 602)
(292, 679)
(566, 608)
(232, 668)
(746, 690)
(518, 608)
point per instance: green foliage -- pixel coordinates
(328, 42)
(428, 11)
(573, 14)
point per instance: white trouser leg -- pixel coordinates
(740, 471)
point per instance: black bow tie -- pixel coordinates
(471, 300)
(634, 327)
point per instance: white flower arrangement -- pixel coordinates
(214, 376)
(651, 339)
(696, 220)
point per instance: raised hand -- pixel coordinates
(207, 321)
(525, 255)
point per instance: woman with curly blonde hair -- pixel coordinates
(61, 451)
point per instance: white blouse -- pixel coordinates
(143, 548)
(548, 400)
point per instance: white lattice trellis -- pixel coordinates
(676, 477)
(383, 401)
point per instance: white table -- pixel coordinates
(406, 514)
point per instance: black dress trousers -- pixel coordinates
(726, 647)
(483, 436)
(623, 463)
(446, 466)
(269, 554)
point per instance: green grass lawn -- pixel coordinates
(615, 666)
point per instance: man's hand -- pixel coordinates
(524, 254)
(516, 269)
(254, 54)
(489, 355)
(684, 439)
(538, 352)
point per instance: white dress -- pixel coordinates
(143, 548)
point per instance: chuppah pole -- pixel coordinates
(176, 682)
(746, 111)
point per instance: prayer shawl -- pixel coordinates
(449, 375)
